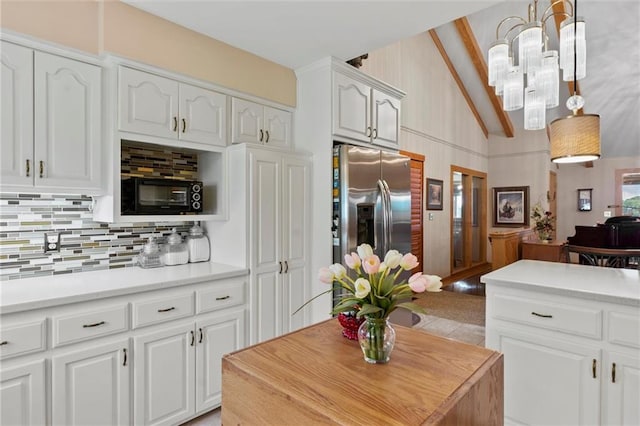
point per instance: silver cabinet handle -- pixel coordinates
(167, 309)
(267, 133)
(223, 297)
(184, 125)
(28, 167)
(95, 324)
(124, 363)
(41, 169)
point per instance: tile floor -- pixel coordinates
(469, 333)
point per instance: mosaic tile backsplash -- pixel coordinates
(85, 245)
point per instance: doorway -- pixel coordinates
(468, 218)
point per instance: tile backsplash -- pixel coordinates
(85, 245)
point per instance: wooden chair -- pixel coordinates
(611, 258)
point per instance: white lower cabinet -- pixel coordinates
(22, 394)
(568, 360)
(178, 369)
(90, 386)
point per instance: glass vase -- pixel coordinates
(543, 236)
(376, 337)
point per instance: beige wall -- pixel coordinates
(111, 26)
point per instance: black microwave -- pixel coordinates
(148, 196)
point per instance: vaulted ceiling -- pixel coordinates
(295, 33)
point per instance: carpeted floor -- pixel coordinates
(454, 306)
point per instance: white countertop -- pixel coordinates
(598, 283)
(40, 292)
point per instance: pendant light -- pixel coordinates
(576, 138)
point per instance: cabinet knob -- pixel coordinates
(368, 131)
(375, 133)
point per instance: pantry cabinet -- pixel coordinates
(570, 335)
(51, 122)
(158, 106)
(364, 113)
(260, 124)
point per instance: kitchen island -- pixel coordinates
(316, 376)
(570, 335)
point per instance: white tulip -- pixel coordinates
(364, 251)
(362, 287)
(338, 270)
(392, 259)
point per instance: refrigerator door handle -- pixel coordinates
(389, 214)
(385, 218)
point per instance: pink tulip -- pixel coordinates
(326, 275)
(418, 282)
(352, 260)
(371, 264)
(408, 262)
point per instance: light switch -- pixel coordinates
(607, 213)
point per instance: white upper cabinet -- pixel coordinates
(158, 106)
(51, 122)
(363, 112)
(255, 123)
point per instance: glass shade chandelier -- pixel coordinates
(535, 61)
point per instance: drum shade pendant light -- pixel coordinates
(576, 138)
(539, 65)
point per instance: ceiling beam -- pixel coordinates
(477, 57)
(456, 77)
(559, 15)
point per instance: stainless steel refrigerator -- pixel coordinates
(371, 202)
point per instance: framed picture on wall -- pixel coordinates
(434, 194)
(584, 200)
(511, 206)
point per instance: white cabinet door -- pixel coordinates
(91, 386)
(16, 97)
(622, 377)
(163, 377)
(265, 232)
(148, 104)
(246, 121)
(549, 381)
(385, 119)
(203, 115)
(277, 127)
(295, 223)
(22, 395)
(351, 108)
(217, 335)
(68, 117)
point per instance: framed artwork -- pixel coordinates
(434, 194)
(584, 200)
(511, 206)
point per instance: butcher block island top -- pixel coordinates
(316, 376)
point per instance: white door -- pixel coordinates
(266, 264)
(163, 383)
(277, 127)
(246, 122)
(295, 224)
(22, 395)
(68, 117)
(217, 335)
(621, 374)
(148, 104)
(91, 386)
(203, 116)
(549, 381)
(386, 119)
(16, 97)
(351, 108)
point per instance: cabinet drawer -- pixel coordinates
(22, 339)
(162, 309)
(540, 313)
(624, 329)
(220, 296)
(88, 325)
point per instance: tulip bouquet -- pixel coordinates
(375, 292)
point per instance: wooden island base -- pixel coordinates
(316, 376)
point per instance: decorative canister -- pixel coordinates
(175, 252)
(198, 244)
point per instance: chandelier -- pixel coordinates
(535, 61)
